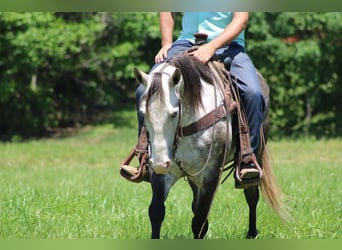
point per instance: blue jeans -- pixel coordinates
(249, 87)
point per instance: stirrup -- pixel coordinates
(134, 174)
(248, 177)
(244, 185)
(141, 151)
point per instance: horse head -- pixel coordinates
(160, 108)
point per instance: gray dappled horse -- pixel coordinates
(179, 93)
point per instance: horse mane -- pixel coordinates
(192, 71)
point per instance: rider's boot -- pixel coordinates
(135, 174)
(248, 173)
(142, 172)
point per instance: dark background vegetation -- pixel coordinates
(61, 70)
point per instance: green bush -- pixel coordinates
(60, 69)
(300, 56)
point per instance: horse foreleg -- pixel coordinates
(252, 197)
(202, 199)
(157, 208)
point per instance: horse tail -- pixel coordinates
(270, 189)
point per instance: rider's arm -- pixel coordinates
(238, 24)
(232, 30)
(166, 23)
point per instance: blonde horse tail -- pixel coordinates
(270, 189)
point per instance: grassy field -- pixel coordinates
(70, 188)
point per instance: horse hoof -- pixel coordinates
(252, 234)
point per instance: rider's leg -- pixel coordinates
(138, 93)
(253, 102)
(251, 95)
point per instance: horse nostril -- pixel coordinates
(168, 164)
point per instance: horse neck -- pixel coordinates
(211, 99)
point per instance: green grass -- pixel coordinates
(70, 188)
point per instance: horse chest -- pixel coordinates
(195, 151)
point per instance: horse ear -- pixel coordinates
(140, 76)
(176, 76)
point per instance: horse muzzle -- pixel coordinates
(161, 168)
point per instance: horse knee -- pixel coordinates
(156, 213)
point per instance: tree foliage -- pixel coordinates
(300, 56)
(60, 69)
(64, 69)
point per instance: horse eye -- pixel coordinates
(174, 114)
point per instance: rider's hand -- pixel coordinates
(162, 54)
(204, 52)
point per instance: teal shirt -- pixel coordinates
(210, 23)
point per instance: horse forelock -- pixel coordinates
(155, 88)
(192, 71)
